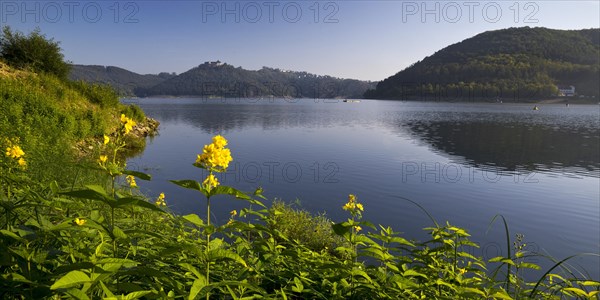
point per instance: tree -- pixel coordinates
(33, 51)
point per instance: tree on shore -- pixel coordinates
(33, 51)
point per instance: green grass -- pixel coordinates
(50, 116)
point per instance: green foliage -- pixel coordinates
(314, 232)
(135, 112)
(516, 63)
(100, 94)
(34, 51)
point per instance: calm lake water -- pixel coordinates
(463, 162)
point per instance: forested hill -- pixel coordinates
(216, 79)
(516, 63)
(122, 80)
(224, 80)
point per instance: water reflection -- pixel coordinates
(500, 138)
(513, 147)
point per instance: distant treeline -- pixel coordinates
(216, 79)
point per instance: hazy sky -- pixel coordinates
(368, 40)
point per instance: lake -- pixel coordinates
(463, 162)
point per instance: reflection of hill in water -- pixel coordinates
(513, 146)
(213, 118)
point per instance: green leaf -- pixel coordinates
(530, 266)
(501, 295)
(190, 184)
(140, 175)
(227, 190)
(225, 254)
(413, 273)
(298, 286)
(341, 228)
(401, 241)
(71, 279)
(197, 287)
(577, 291)
(91, 192)
(118, 233)
(194, 219)
(106, 290)
(77, 294)
(136, 295)
(11, 234)
(137, 202)
(473, 291)
(357, 272)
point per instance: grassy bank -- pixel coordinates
(57, 120)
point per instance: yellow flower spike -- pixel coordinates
(80, 221)
(215, 157)
(462, 271)
(106, 139)
(123, 118)
(102, 159)
(357, 228)
(131, 181)
(210, 182)
(233, 213)
(160, 201)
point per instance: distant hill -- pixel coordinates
(123, 80)
(512, 64)
(224, 80)
(216, 79)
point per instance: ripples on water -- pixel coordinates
(463, 162)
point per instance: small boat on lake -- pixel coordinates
(351, 101)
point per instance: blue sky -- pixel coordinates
(369, 40)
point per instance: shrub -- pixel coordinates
(33, 51)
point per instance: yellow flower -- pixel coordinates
(131, 181)
(229, 222)
(233, 213)
(349, 206)
(462, 270)
(106, 139)
(22, 162)
(102, 159)
(210, 182)
(127, 123)
(360, 206)
(357, 228)
(160, 201)
(214, 156)
(14, 152)
(79, 221)
(219, 141)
